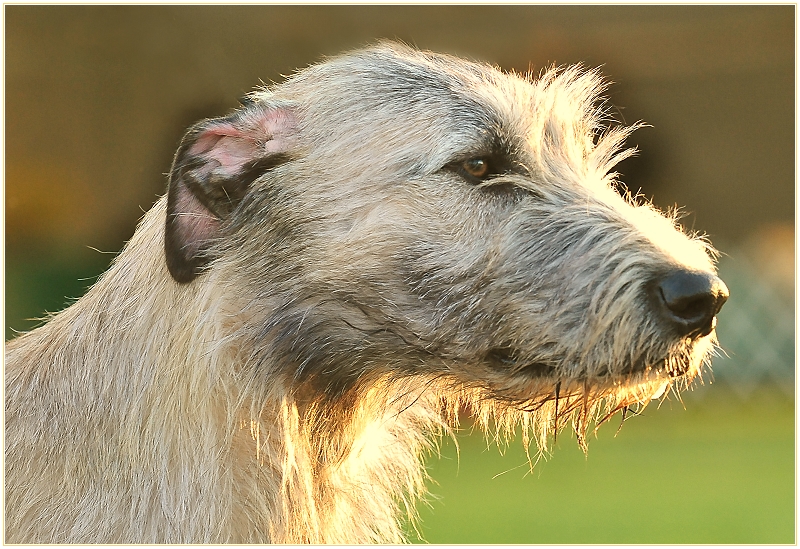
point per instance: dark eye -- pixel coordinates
(477, 167)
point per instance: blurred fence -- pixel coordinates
(756, 327)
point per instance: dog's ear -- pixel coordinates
(213, 168)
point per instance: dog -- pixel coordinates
(338, 267)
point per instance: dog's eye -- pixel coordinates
(477, 167)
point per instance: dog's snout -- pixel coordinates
(691, 301)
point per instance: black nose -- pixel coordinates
(691, 301)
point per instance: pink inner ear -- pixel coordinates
(257, 134)
(194, 224)
(228, 146)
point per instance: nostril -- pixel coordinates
(691, 300)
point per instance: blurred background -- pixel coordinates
(97, 98)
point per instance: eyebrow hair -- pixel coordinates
(497, 144)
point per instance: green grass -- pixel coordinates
(34, 288)
(718, 471)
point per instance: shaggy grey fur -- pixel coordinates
(338, 267)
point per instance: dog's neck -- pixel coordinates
(170, 359)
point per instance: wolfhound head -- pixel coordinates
(401, 217)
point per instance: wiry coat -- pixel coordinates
(335, 286)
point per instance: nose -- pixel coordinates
(691, 301)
